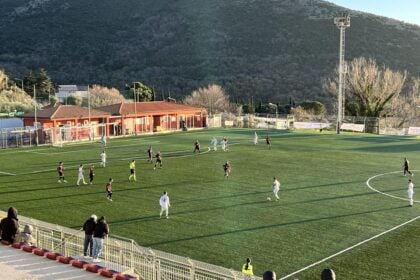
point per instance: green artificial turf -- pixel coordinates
(325, 204)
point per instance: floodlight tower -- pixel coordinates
(342, 23)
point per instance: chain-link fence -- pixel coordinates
(126, 256)
(29, 136)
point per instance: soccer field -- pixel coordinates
(325, 207)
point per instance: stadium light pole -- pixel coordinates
(342, 23)
(277, 112)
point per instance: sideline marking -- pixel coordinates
(349, 248)
(387, 194)
(7, 173)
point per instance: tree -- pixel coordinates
(74, 100)
(102, 96)
(212, 97)
(29, 82)
(43, 85)
(139, 92)
(13, 98)
(317, 108)
(369, 87)
(405, 107)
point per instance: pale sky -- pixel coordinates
(405, 10)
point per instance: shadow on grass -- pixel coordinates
(251, 229)
(321, 186)
(71, 195)
(403, 148)
(242, 204)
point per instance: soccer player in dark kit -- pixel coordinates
(60, 170)
(196, 146)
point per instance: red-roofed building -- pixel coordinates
(73, 121)
(69, 122)
(143, 117)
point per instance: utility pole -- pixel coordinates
(342, 23)
(135, 108)
(36, 119)
(90, 125)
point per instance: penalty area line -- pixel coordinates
(349, 248)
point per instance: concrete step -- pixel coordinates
(16, 264)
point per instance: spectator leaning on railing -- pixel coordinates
(89, 227)
(9, 226)
(101, 230)
(26, 236)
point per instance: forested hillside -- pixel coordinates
(268, 49)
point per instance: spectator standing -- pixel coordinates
(9, 226)
(89, 228)
(26, 236)
(99, 234)
(247, 269)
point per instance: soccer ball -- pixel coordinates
(268, 198)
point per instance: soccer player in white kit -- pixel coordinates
(213, 143)
(276, 188)
(103, 159)
(255, 138)
(410, 192)
(81, 177)
(164, 204)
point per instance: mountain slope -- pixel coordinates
(269, 49)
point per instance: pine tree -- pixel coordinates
(43, 84)
(28, 83)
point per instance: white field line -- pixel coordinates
(77, 151)
(349, 248)
(7, 173)
(387, 194)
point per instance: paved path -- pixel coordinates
(16, 264)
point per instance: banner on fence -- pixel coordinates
(310, 125)
(414, 130)
(353, 127)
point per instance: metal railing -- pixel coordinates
(126, 256)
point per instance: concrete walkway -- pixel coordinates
(16, 264)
